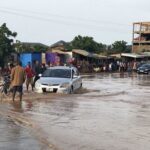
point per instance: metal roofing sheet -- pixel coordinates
(133, 55)
(81, 52)
(87, 54)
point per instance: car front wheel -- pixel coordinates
(81, 85)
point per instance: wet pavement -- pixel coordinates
(111, 112)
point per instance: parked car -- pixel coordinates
(59, 79)
(145, 68)
(140, 64)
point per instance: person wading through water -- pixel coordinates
(29, 75)
(37, 71)
(18, 77)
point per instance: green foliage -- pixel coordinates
(119, 46)
(19, 47)
(6, 42)
(85, 43)
(39, 48)
(29, 47)
(88, 44)
(69, 46)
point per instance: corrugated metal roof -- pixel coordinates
(133, 55)
(116, 55)
(58, 51)
(87, 54)
(98, 56)
(81, 52)
(146, 53)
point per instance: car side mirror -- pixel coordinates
(75, 76)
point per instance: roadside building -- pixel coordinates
(30, 57)
(86, 61)
(79, 54)
(141, 37)
(30, 52)
(58, 57)
(60, 45)
(57, 53)
(135, 57)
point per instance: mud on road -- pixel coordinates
(111, 112)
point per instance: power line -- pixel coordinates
(93, 27)
(66, 17)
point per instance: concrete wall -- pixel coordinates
(141, 48)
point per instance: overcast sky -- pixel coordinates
(48, 21)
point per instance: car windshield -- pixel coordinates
(57, 73)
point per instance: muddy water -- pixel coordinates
(15, 137)
(111, 112)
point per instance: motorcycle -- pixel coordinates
(4, 86)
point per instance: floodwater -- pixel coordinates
(111, 112)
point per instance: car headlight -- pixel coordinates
(65, 85)
(37, 84)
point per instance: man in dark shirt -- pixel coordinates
(37, 71)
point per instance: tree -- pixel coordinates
(19, 48)
(40, 48)
(6, 42)
(119, 47)
(30, 47)
(85, 43)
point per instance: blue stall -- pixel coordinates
(30, 57)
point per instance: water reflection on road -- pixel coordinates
(111, 112)
(15, 137)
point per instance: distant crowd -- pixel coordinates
(120, 66)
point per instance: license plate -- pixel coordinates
(49, 89)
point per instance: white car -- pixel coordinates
(59, 79)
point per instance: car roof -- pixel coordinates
(62, 67)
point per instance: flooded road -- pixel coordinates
(15, 137)
(111, 112)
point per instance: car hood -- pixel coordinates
(47, 80)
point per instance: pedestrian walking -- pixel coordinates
(17, 80)
(43, 68)
(110, 67)
(134, 66)
(29, 76)
(37, 71)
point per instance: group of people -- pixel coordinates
(19, 75)
(120, 66)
